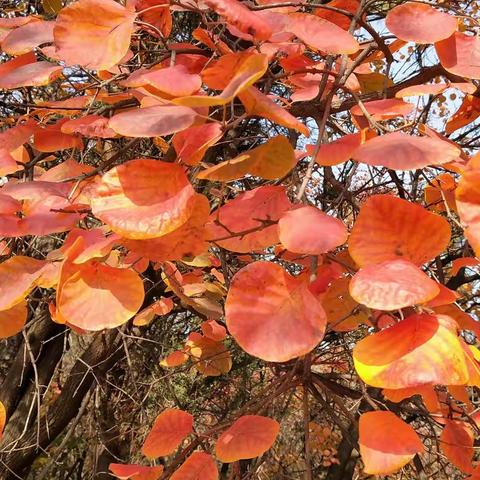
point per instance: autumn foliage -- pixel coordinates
(239, 239)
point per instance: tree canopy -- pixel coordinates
(239, 239)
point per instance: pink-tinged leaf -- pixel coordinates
(168, 431)
(460, 55)
(191, 144)
(244, 19)
(250, 436)
(338, 151)
(163, 306)
(266, 305)
(384, 109)
(404, 355)
(153, 121)
(18, 277)
(25, 38)
(14, 137)
(175, 81)
(245, 223)
(456, 442)
(420, 23)
(400, 151)
(321, 34)
(89, 126)
(31, 75)
(93, 33)
(309, 231)
(51, 138)
(386, 442)
(135, 472)
(143, 198)
(198, 466)
(392, 285)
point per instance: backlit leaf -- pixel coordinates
(93, 33)
(245, 223)
(309, 231)
(389, 228)
(143, 198)
(387, 443)
(265, 305)
(392, 285)
(25, 38)
(89, 290)
(135, 472)
(198, 466)
(13, 319)
(168, 431)
(420, 23)
(456, 442)
(405, 354)
(250, 436)
(460, 54)
(400, 151)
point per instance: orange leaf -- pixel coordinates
(392, 285)
(213, 330)
(420, 23)
(135, 472)
(400, 151)
(163, 306)
(168, 431)
(244, 19)
(265, 305)
(192, 143)
(18, 277)
(250, 69)
(388, 228)
(89, 126)
(34, 74)
(154, 121)
(93, 296)
(13, 319)
(321, 34)
(159, 18)
(93, 33)
(428, 393)
(175, 81)
(309, 231)
(252, 212)
(186, 241)
(143, 198)
(405, 355)
(468, 112)
(51, 138)
(256, 103)
(271, 160)
(198, 466)
(343, 312)
(456, 442)
(387, 443)
(463, 262)
(343, 21)
(174, 359)
(250, 436)
(384, 109)
(460, 54)
(25, 38)
(211, 357)
(338, 151)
